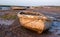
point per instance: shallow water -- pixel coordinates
(55, 28)
(6, 22)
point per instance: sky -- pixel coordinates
(30, 2)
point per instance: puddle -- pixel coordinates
(6, 22)
(55, 28)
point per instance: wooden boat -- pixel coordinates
(34, 21)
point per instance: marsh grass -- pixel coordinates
(8, 17)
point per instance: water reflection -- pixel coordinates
(55, 28)
(6, 22)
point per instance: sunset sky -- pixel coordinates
(30, 2)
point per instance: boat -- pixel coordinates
(35, 21)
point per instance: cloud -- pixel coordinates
(30, 2)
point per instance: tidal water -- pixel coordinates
(6, 22)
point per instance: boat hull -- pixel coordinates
(33, 22)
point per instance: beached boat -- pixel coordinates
(34, 21)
